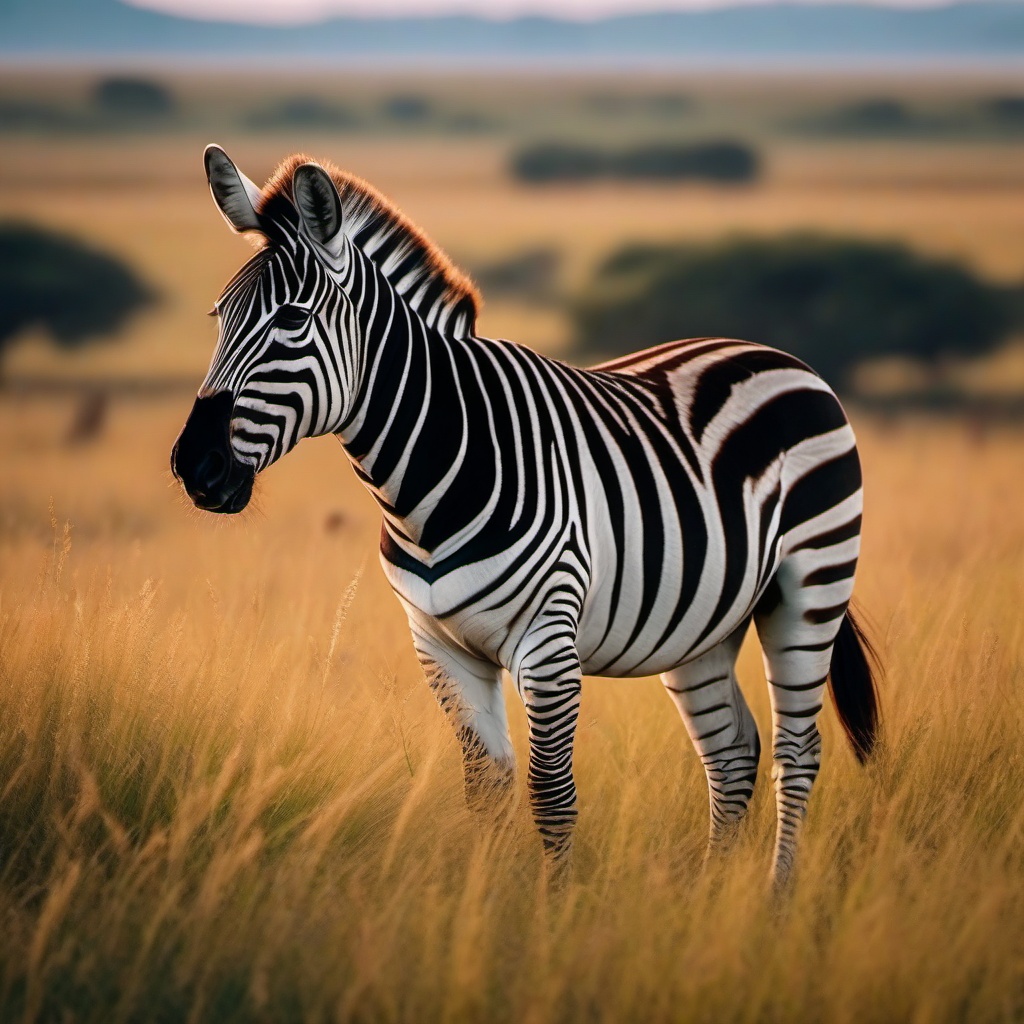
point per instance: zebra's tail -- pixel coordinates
(851, 682)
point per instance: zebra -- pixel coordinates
(544, 520)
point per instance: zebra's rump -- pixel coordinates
(734, 446)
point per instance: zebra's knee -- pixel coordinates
(732, 776)
(796, 760)
(556, 833)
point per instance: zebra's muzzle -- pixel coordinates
(203, 461)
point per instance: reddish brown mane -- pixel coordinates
(391, 239)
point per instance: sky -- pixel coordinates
(297, 11)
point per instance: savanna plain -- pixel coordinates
(225, 792)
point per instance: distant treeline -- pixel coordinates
(718, 160)
(136, 103)
(398, 112)
(114, 102)
(131, 103)
(891, 117)
(833, 302)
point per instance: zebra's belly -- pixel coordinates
(630, 650)
(650, 610)
(639, 616)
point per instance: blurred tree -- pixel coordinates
(882, 116)
(470, 122)
(132, 97)
(408, 109)
(75, 293)
(303, 112)
(1007, 109)
(544, 162)
(708, 161)
(670, 104)
(89, 418)
(832, 302)
(22, 115)
(718, 160)
(874, 115)
(530, 276)
(617, 104)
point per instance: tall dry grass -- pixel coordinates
(226, 796)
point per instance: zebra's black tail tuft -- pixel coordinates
(852, 685)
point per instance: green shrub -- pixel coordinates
(74, 292)
(832, 302)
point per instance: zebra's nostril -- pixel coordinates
(212, 471)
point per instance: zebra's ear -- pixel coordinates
(235, 195)
(317, 200)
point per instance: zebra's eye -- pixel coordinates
(291, 318)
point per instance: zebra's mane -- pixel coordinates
(418, 269)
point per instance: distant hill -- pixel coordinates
(99, 28)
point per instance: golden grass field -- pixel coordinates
(226, 795)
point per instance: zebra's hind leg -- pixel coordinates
(797, 621)
(723, 732)
(469, 692)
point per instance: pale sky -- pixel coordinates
(296, 11)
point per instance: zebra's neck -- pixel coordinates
(408, 433)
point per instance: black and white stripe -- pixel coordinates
(551, 521)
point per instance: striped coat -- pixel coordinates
(553, 522)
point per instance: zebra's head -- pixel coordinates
(338, 270)
(282, 367)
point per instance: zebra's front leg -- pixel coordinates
(548, 679)
(469, 692)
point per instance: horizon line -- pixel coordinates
(282, 14)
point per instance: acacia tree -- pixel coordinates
(73, 292)
(133, 97)
(833, 302)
